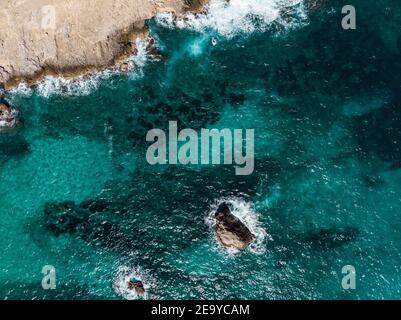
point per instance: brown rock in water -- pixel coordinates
(230, 230)
(8, 116)
(137, 286)
(152, 51)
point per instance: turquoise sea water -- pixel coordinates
(325, 104)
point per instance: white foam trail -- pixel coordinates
(110, 138)
(78, 86)
(238, 16)
(123, 276)
(21, 90)
(137, 62)
(245, 212)
(84, 85)
(141, 56)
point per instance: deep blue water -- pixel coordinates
(325, 104)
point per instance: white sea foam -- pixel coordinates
(141, 56)
(124, 274)
(238, 16)
(84, 85)
(50, 85)
(11, 121)
(78, 86)
(22, 90)
(246, 213)
(137, 62)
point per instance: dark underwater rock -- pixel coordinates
(314, 5)
(158, 107)
(236, 99)
(332, 238)
(83, 221)
(379, 133)
(96, 206)
(371, 181)
(231, 231)
(13, 145)
(64, 217)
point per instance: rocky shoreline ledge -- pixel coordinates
(73, 38)
(77, 38)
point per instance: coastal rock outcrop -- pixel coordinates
(136, 285)
(74, 37)
(231, 232)
(8, 116)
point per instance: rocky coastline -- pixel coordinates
(74, 38)
(78, 38)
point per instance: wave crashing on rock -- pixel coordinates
(241, 218)
(235, 17)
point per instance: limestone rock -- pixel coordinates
(73, 37)
(8, 116)
(230, 230)
(136, 285)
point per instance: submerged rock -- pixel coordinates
(89, 221)
(314, 5)
(230, 230)
(8, 116)
(136, 285)
(65, 217)
(332, 238)
(236, 99)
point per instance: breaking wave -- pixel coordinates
(239, 16)
(22, 90)
(86, 84)
(78, 86)
(123, 276)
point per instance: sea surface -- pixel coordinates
(325, 104)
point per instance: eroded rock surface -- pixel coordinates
(136, 285)
(71, 37)
(231, 232)
(8, 116)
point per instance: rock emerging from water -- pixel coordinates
(8, 116)
(152, 51)
(136, 285)
(231, 232)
